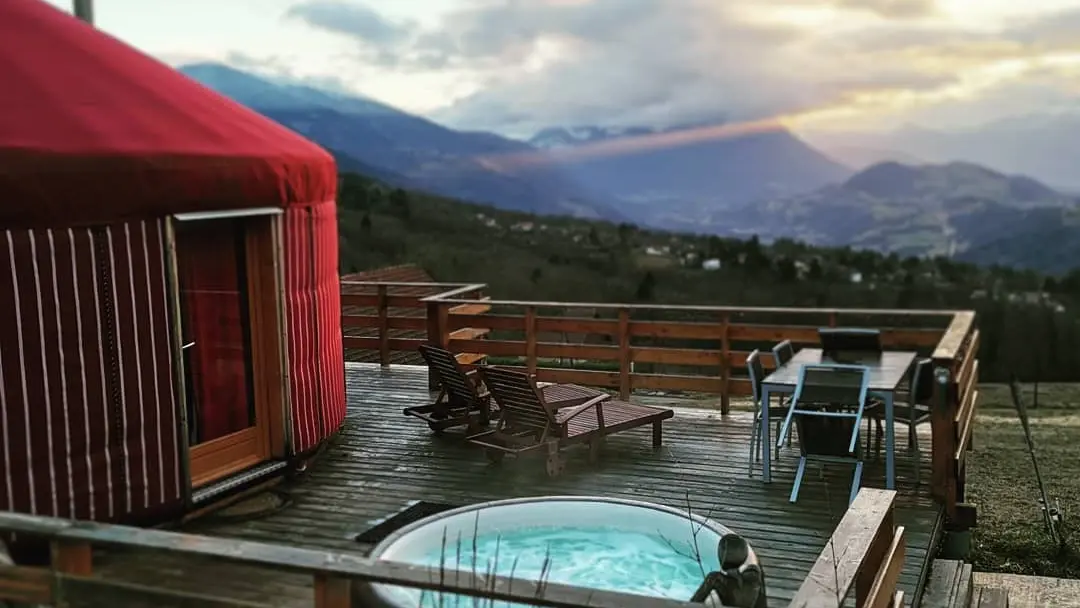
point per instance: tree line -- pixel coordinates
(1029, 322)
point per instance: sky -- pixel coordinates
(515, 66)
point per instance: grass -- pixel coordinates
(1010, 536)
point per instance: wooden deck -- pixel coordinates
(382, 460)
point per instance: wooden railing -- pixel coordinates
(956, 401)
(70, 579)
(672, 348)
(697, 349)
(865, 554)
(388, 317)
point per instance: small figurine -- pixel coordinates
(737, 584)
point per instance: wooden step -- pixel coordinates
(990, 597)
(949, 585)
(469, 333)
(471, 309)
(470, 358)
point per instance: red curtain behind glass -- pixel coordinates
(209, 263)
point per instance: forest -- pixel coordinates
(1029, 322)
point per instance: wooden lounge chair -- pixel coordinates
(464, 401)
(529, 421)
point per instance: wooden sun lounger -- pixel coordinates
(530, 422)
(464, 401)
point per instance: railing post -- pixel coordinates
(875, 556)
(530, 339)
(384, 326)
(438, 333)
(332, 592)
(725, 364)
(626, 356)
(864, 554)
(72, 558)
(943, 435)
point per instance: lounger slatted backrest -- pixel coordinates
(518, 400)
(459, 389)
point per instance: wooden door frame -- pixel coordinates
(223, 456)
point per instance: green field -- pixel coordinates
(1010, 536)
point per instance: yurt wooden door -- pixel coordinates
(228, 302)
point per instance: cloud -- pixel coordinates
(352, 19)
(537, 63)
(1055, 30)
(893, 9)
(282, 70)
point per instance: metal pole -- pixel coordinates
(84, 9)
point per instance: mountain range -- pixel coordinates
(704, 178)
(670, 178)
(647, 176)
(956, 209)
(406, 150)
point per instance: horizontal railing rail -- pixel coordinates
(864, 555)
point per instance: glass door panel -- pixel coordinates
(216, 328)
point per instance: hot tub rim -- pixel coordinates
(705, 522)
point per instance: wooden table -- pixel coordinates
(887, 373)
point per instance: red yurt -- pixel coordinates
(168, 281)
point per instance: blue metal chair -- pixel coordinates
(916, 410)
(776, 412)
(828, 406)
(782, 353)
(844, 341)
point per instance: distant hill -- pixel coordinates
(407, 150)
(672, 178)
(1042, 145)
(859, 157)
(956, 209)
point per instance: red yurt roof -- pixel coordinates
(93, 131)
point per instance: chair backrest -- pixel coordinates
(783, 352)
(459, 389)
(831, 398)
(922, 382)
(520, 403)
(844, 342)
(831, 385)
(757, 374)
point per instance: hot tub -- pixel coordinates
(593, 542)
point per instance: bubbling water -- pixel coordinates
(592, 557)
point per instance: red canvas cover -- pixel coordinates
(87, 414)
(313, 313)
(331, 362)
(93, 131)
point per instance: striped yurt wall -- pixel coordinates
(313, 312)
(88, 416)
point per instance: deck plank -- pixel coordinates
(381, 460)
